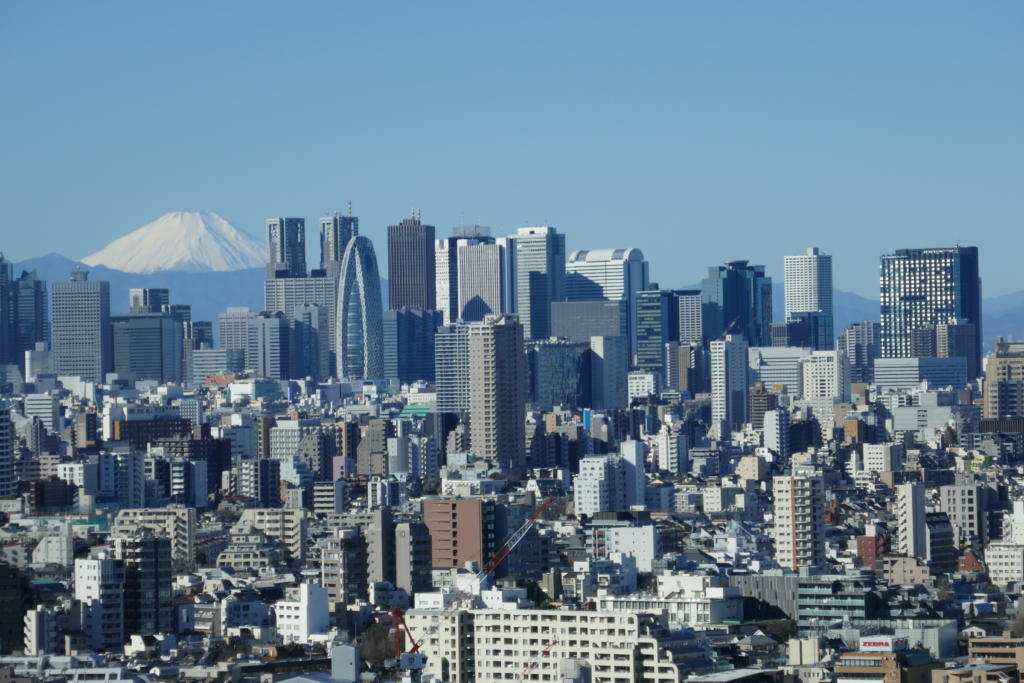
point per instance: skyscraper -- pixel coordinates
(446, 266)
(729, 384)
(657, 323)
(861, 343)
(808, 289)
(609, 365)
(691, 326)
(148, 300)
(311, 341)
(234, 327)
(922, 287)
(608, 275)
(7, 352)
(825, 380)
(335, 232)
(497, 391)
(409, 344)
(286, 238)
(451, 368)
(289, 290)
(81, 327)
(483, 278)
(290, 295)
(7, 440)
(540, 277)
(737, 299)
(559, 373)
(359, 327)
(31, 323)
(268, 351)
(147, 346)
(411, 277)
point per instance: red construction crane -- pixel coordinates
(728, 328)
(488, 568)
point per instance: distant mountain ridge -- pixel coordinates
(209, 293)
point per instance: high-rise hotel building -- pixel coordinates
(919, 288)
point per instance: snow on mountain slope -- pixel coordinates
(193, 241)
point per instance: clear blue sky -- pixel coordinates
(698, 131)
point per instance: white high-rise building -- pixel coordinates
(798, 521)
(611, 482)
(673, 450)
(608, 275)
(776, 432)
(910, 520)
(730, 407)
(483, 278)
(825, 380)
(475, 273)
(808, 285)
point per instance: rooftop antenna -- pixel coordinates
(350, 208)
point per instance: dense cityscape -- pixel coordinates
(509, 461)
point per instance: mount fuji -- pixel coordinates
(183, 241)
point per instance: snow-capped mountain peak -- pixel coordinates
(193, 241)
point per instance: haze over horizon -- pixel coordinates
(695, 133)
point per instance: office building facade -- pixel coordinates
(808, 289)
(737, 299)
(286, 238)
(411, 268)
(81, 327)
(335, 232)
(926, 287)
(729, 384)
(540, 277)
(408, 335)
(608, 275)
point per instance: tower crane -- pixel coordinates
(414, 660)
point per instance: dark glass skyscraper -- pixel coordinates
(359, 332)
(657, 323)
(926, 287)
(737, 298)
(286, 238)
(411, 278)
(409, 344)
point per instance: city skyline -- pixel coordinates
(578, 342)
(702, 137)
